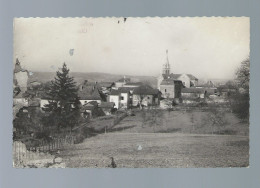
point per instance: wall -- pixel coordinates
(159, 81)
(147, 100)
(22, 78)
(125, 102)
(170, 91)
(115, 99)
(20, 101)
(44, 102)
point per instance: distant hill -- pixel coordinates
(79, 77)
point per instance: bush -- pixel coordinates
(79, 139)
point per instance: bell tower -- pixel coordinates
(166, 66)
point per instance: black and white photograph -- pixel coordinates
(131, 92)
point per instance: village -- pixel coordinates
(123, 94)
(121, 106)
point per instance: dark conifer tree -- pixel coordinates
(63, 103)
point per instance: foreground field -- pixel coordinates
(140, 150)
(194, 122)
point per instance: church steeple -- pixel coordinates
(166, 66)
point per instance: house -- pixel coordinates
(146, 95)
(121, 82)
(114, 97)
(107, 107)
(171, 88)
(121, 97)
(89, 110)
(89, 91)
(209, 88)
(193, 93)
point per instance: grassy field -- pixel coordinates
(183, 122)
(166, 139)
(159, 150)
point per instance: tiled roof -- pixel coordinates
(134, 83)
(114, 92)
(121, 90)
(125, 89)
(145, 90)
(89, 93)
(192, 77)
(105, 84)
(170, 81)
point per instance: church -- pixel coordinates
(171, 84)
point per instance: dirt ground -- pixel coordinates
(141, 150)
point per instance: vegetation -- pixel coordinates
(240, 100)
(64, 107)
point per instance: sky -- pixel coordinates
(207, 47)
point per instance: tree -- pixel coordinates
(63, 104)
(243, 75)
(240, 100)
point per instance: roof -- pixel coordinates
(121, 90)
(192, 77)
(87, 106)
(18, 68)
(105, 84)
(114, 92)
(124, 80)
(170, 81)
(193, 90)
(125, 89)
(134, 83)
(176, 76)
(145, 90)
(208, 84)
(107, 105)
(89, 91)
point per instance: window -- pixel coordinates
(165, 90)
(122, 98)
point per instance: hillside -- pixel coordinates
(93, 77)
